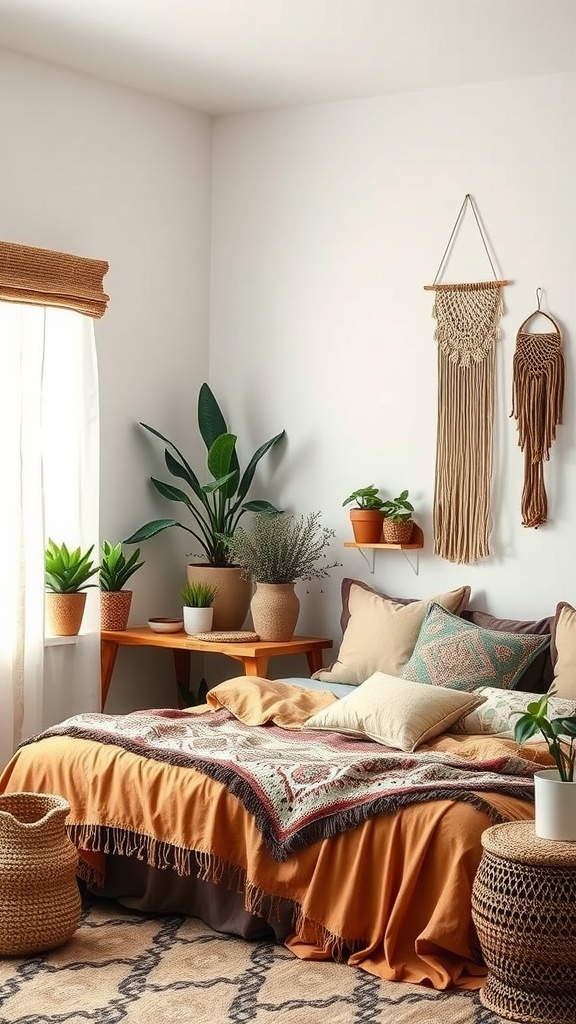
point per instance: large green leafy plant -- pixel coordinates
(67, 571)
(559, 733)
(215, 507)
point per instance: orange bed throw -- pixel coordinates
(391, 895)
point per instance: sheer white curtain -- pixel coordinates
(49, 475)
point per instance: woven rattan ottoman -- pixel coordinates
(524, 910)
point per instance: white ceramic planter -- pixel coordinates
(197, 620)
(555, 807)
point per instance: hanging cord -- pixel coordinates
(467, 199)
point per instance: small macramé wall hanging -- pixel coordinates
(467, 329)
(537, 399)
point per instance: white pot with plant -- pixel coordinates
(198, 611)
(115, 571)
(277, 551)
(366, 517)
(555, 788)
(66, 574)
(215, 508)
(398, 525)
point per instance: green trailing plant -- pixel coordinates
(115, 568)
(365, 497)
(198, 594)
(282, 548)
(559, 734)
(216, 507)
(399, 509)
(68, 571)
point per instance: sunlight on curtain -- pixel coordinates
(49, 461)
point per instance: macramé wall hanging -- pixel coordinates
(467, 330)
(537, 398)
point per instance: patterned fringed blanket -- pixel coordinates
(302, 786)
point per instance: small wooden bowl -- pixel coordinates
(164, 625)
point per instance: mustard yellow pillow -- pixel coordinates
(396, 712)
(381, 633)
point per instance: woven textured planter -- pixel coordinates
(397, 533)
(64, 613)
(524, 910)
(39, 899)
(115, 608)
(275, 608)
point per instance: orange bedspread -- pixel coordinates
(396, 888)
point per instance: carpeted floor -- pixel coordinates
(122, 966)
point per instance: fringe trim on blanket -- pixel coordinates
(209, 868)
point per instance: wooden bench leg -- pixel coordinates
(314, 659)
(182, 673)
(108, 652)
(255, 666)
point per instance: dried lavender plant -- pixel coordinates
(282, 548)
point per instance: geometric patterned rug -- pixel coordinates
(124, 967)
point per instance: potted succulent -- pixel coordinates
(555, 788)
(215, 508)
(366, 516)
(398, 524)
(198, 599)
(66, 574)
(115, 571)
(277, 551)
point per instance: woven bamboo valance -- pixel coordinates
(44, 278)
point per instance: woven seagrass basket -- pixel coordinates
(39, 898)
(524, 910)
(397, 533)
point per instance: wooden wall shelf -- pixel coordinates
(416, 544)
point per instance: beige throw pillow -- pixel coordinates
(381, 634)
(564, 648)
(395, 712)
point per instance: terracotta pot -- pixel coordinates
(115, 608)
(397, 533)
(232, 600)
(40, 902)
(64, 613)
(367, 525)
(275, 608)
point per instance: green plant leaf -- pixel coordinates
(152, 528)
(211, 422)
(251, 467)
(524, 728)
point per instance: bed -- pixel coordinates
(253, 814)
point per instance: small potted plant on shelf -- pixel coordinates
(398, 524)
(66, 574)
(277, 551)
(115, 571)
(367, 516)
(198, 612)
(214, 509)
(555, 788)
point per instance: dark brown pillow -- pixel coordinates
(540, 673)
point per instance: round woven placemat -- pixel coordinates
(230, 637)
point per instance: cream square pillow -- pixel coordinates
(395, 712)
(381, 633)
(498, 715)
(564, 651)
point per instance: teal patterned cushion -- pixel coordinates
(452, 652)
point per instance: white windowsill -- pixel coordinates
(59, 641)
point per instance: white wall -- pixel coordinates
(102, 171)
(328, 221)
